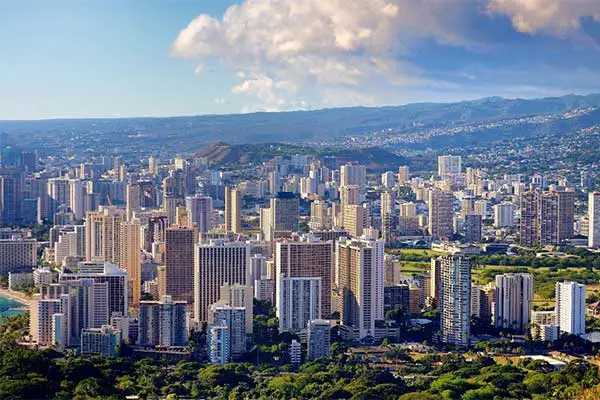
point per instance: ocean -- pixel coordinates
(7, 307)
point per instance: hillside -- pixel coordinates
(413, 121)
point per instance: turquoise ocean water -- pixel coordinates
(7, 307)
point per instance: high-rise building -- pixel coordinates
(441, 212)
(388, 216)
(514, 295)
(449, 165)
(349, 195)
(102, 234)
(41, 320)
(12, 182)
(403, 174)
(133, 199)
(234, 319)
(504, 215)
(298, 302)
(360, 263)
(472, 228)
(218, 344)
(544, 326)
(233, 213)
(163, 323)
(353, 175)
(307, 257)
(528, 223)
(179, 263)
(104, 341)
(570, 307)
(58, 194)
(455, 300)
(104, 272)
(546, 217)
(237, 295)
(17, 254)
(594, 220)
(129, 259)
(200, 210)
(354, 219)
(285, 212)
(388, 179)
(320, 217)
(216, 264)
(318, 339)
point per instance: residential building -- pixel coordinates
(455, 300)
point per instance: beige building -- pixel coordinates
(179, 263)
(214, 265)
(102, 234)
(130, 258)
(360, 263)
(233, 213)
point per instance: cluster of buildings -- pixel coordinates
(142, 254)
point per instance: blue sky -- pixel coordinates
(157, 58)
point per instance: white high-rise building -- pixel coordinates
(361, 275)
(388, 179)
(200, 212)
(449, 165)
(163, 323)
(353, 175)
(594, 220)
(218, 344)
(234, 319)
(570, 307)
(298, 302)
(504, 215)
(441, 213)
(514, 295)
(102, 234)
(455, 300)
(216, 264)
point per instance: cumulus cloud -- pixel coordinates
(278, 46)
(350, 50)
(553, 16)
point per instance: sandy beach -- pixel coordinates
(16, 296)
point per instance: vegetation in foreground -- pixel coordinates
(34, 374)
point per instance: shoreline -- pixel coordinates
(20, 298)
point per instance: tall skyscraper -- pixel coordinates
(449, 165)
(133, 199)
(233, 214)
(318, 339)
(129, 259)
(594, 219)
(163, 323)
(234, 319)
(403, 174)
(353, 175)
(200, 210)
(102, 234)
(320, 217)
(354, 219)
(514, 295)
(179, 263)
(546, 217)
(285, 212)
(504, 214)
(17, 254)
(388, 179)
(298, 302)
(455, 300)
(307, 257)
(216, 264)
(388, 216)
(237, 295)
(472, 228)
(360, 263)
(441, 212)
(104, 272)
(570, 307)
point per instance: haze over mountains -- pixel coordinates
(413, 125)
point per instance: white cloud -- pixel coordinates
(552, 16)
(290, 53)
(277, 47)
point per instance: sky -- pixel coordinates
(122, 58)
